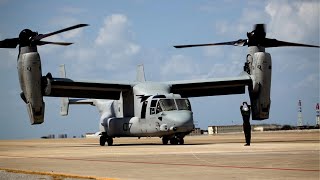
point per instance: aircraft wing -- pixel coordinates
(64, 87)
(212, 86)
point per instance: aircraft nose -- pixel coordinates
(181, 120)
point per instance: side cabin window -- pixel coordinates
(183, 104)
(153, 106)
(143, 109)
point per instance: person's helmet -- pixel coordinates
(245, 108)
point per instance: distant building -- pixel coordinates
(238, 128)
(50, 136)
(93, 135)
(224, 129)
(62, 136)
(195, 132)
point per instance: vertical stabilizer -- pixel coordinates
(65, 100)
(62, 71)
(140, 73)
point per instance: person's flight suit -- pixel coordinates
(245, 112)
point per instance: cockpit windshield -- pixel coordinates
(159, 105)
(167, 104)
(183, 104)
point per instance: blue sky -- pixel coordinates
(123, 34)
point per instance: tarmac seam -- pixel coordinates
(176, 164)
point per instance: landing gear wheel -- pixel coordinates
(102, 140)
(181, 141)
(174, 141)
(110, 141)
(165, 140)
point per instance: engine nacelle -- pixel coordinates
(29, 69)
(260, 70)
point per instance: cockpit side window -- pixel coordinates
(159, 109)
(188, 104)
(160, 105)
(183, 104)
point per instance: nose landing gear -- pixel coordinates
(174, 140)
(165, 140)
(181, 141)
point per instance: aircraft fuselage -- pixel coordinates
(156, 113)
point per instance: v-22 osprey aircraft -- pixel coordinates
(143, 108)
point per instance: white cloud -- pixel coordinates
(288, 20)
(248, 17)
(116, 41)
(179, 65)
(113, 47)
(115, 36)
(291, 20)
(296, 21)
(113, 30)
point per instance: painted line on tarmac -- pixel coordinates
(173, 164)
(54, 175)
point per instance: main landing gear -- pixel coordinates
(174, 140)
(104, 138)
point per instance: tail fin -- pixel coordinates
(65, 100)
(62, 70)
(140, 73)
(64, 106)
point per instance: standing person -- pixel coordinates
(245, 112)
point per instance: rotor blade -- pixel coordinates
(41, 36)
(275, 43)
(240, 42)
(9, 43)
(40, 43)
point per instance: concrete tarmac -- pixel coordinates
(272, 155)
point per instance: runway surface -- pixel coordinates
(272, 155)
